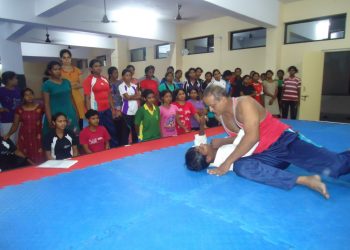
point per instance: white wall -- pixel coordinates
(35, 66)
(292, 54)
(222, 58)
(159, 64)
(11, 56)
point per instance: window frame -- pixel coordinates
(144, 54)
(312, 20)
(157, 50)
(245, 30)
(201, 37)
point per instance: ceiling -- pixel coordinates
(166, 9)
(77, 22)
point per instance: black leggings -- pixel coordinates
(130, 121)
(293, 106)
(122, 130)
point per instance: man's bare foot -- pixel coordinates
(314, 182)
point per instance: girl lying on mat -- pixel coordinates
(203, 155)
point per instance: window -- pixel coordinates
(137, 55)
(162, 51)
(324, 28)
(200, 45)
(245, 39)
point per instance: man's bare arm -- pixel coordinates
(218, 142)
(248, 114)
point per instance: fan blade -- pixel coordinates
(187, 18)
(36, 39)
(91, 21)
(98, 21)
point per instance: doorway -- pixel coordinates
(335, 101)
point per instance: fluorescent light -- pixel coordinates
(135, 14)
(135, 21)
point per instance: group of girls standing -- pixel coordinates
(130, 109)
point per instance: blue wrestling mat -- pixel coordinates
(150, 201)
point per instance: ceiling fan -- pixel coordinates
(179, 16)
(47, 40)
(105, 18)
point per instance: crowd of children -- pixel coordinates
(121, 110)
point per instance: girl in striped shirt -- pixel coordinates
(291, 94)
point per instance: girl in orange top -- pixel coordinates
(72, 73)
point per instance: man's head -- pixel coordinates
(92, 117)
(216, 98)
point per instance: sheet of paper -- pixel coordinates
(58, 164)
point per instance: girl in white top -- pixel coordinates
(217, 80)
(203, 155)
(224, 151)
(130, 96)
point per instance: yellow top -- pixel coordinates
(74, 78)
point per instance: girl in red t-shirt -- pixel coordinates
(185, 111)
(258, 88)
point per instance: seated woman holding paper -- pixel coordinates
(60, 143)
